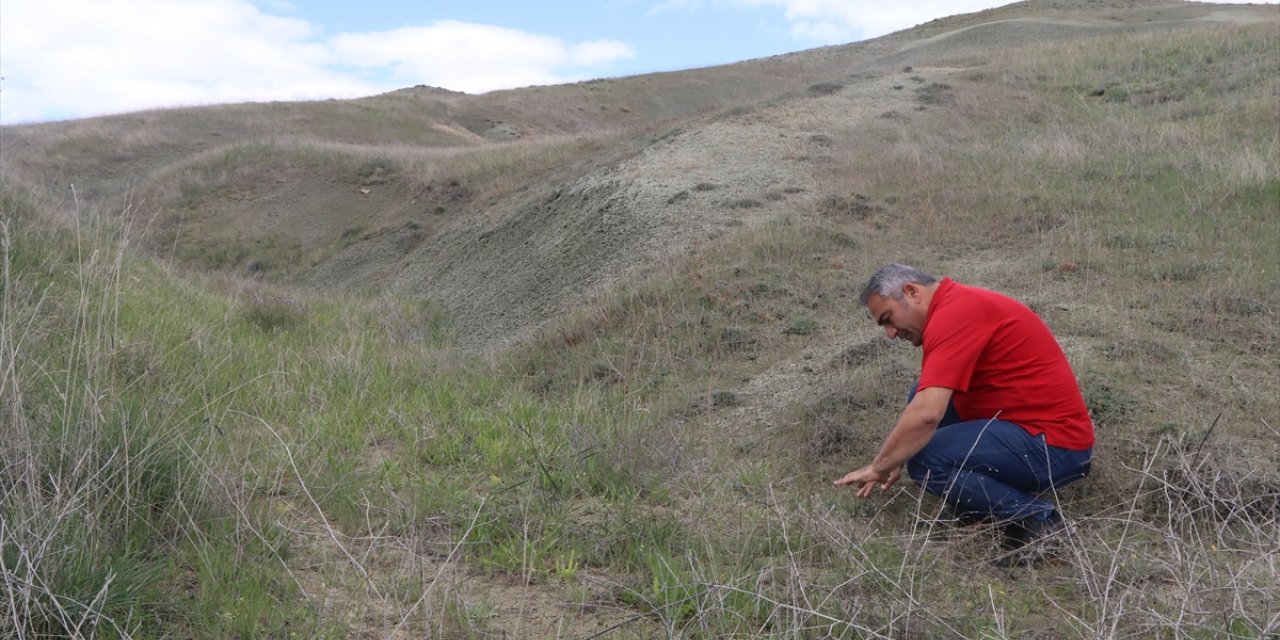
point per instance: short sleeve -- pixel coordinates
(954, 341)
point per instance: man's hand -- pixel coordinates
(868, 477)
(909, 435)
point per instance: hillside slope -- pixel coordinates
(570, 187)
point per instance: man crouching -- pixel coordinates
(996, 417)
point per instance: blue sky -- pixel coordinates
(63, 59)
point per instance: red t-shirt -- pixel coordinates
(999, 358)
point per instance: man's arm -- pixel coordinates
(912, 432)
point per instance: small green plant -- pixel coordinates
(567, 567)
(803, 326)
(273, 313)
(856, 206)
(376, 170)
(725, 398)
(191, 193)
(1108, 404)
(934, 93)
(825, 88)
(1183, 272)
(1116, 94)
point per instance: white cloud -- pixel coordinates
(70, 58)
(76, 58)
(677, 5)
(836, 21)
(598, 52)
(472, 57)
(839, 21)
(824, 31)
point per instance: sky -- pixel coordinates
(65, 59)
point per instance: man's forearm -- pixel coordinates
(911, 433)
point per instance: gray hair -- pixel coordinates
(888, 281)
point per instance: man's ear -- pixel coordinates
(911, 291)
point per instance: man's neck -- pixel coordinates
(926, 294)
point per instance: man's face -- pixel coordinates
(902, 319)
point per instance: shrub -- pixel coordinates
(825, 88)
(801, 327)
(376, 170)
(272, 313)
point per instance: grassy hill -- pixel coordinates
(581, 361)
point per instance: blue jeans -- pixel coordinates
(994, 469)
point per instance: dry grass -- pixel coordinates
(264, 459)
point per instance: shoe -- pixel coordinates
(1030, 541)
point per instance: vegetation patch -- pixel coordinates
(934, 93)
(272, 312)
(856, 206)
(801, 327)
(1109, 405)
(825, 88)
(376, 171)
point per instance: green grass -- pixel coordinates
(239, 412)
(176, 415)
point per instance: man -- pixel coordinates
(996, 417)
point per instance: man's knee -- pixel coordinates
(917, 471)
(921, 470)
(937, 462)
(1071, 474)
